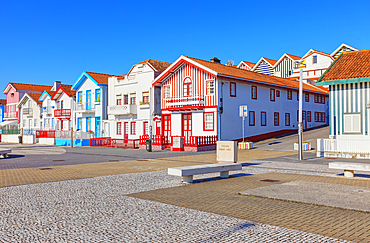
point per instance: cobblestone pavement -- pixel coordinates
(98, 210)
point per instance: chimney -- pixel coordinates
(215, 60)
(56, 85)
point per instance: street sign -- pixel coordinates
(243, 110)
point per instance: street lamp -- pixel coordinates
(300, 65)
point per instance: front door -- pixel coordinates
(88, 124)
(186, 126)
(167, 126)
(88, 100)
(158, 128)
(97, 127)
(125, 131)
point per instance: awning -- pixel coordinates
(13, 122)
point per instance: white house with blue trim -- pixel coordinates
(91, 102)
(348, 79)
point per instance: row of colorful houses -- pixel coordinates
(193, 99)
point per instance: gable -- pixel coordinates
(264, 67)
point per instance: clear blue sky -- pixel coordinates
(43, 41)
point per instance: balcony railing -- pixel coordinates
(85, 107)
(62, 113)
(11, 114)
(27, 111)
(173, 102)
(122, 109)
(47, 109)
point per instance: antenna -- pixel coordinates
(230, 63)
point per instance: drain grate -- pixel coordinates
(269, 180)
(45, 168)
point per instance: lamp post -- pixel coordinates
(301, 65)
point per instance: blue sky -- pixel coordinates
(43, 41)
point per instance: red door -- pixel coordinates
(167, 126)
(125, 130)
(158, 128)
(186, 126)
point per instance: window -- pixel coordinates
(145, 98)
(208, 121)
(289, 94)
(277, 93)
(233, 89)
(187, 87)
(297, 115)
(287, 119)
(314, 59)
(276, 118)
(79, 123)
(146, 128)
(125, 99)
(167, 91)
(97, 95)
(352, 123)
(306, 97)
(272, 94)
(319, 116)
(308, 116)
(211, 87)
(254, 92)
(290, 72)
(119, 128)
(297, 96)
(263, 118)
(133, 128)
(133, 99)
(79, 97)
(119, 100)
(251, 118)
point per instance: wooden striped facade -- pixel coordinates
(188, 85)
(285, 68)
(264, 67)
(348, 112)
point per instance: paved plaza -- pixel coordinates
(62, 194)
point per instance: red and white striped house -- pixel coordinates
(284, 67)
(200, 102)
(246, 65)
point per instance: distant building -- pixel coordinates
(265, 66)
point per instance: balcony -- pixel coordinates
(62, 113)
(122, 109)
(182, 102)
(27, 111)
(11, 115)
(85, 107)
(47, 110)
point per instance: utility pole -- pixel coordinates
(300, 125)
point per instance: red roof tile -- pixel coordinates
(160, 66)
(250, 64)
(253, 76)
(2, 101)
(349, 65)
(35, 97)
(271, 61)
(101, 78)
(296, 58)
(31, 87)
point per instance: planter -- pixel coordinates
(306, 146)
(246, 145)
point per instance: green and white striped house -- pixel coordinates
(348, 79)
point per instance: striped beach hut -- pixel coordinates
(265, 66)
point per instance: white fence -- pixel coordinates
(344, 146)
(76, 135)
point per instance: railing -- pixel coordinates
(11, 131)
(354, 146)
(29, 131)
(27, 111)
(47, 109)
(62, 113)
(85, 106)
(172, 102)
(156, 140)
(200, 140)
(11, 114)
(115, 143)
(122, 109)
(76, 134)
(45, 134)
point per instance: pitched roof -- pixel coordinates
(2, 101)
(343, 46)
(101, 78)
(221, 69)
(62, 89)
(250, 64)
(158, 65)
(296, 58)
(28, 87)
(312, 51)
(271, 61)
(349, 65)
(35, 97)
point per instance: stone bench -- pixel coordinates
(349, 167)
(4, 153)
(187, 172)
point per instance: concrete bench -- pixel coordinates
(4, 153)
(349, 168)
(187, 172)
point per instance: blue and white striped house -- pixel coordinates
(265, 65)
(349, 106)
